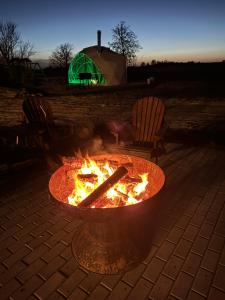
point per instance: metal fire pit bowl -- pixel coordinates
(112, 240)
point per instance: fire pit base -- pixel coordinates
(116, 239)
(109, 248)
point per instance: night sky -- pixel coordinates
(172, 30)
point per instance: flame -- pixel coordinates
(122, 193)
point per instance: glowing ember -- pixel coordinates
(129, 190)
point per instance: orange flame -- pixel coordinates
(122, 192)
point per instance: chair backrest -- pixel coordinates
(37, 111)
(147, 117)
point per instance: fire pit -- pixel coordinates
(115, 233)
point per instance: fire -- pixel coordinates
(93, 173)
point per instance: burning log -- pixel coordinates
(88, 177)
(122, 199)
(104, 187)
(132, 180)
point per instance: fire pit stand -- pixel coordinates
(113, 240)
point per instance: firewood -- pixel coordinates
(87, 177)
(104, 187)
(122, 199)
(132, 180)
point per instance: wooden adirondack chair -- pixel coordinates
(42, 131)
(147, 121)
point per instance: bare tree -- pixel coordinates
(12, 47)
(62, 55)
(124, 41)
(9, 39)
(25, 50)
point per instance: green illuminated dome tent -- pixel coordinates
(97, 65)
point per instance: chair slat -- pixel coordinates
(147, 117)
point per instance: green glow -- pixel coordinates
(81, 63)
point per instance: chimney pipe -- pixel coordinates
(99, 40)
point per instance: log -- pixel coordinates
(104, 187)
(123, 199)
(132, 180)
(87, 177)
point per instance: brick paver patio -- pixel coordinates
(186, 260)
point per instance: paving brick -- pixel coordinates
(197, 219)
(49, 286)
(48, 270)
(216, 294)
(212, 217)
(77, 294)
(192, 264)
(202, 282)
(16, 256)
(7, 289)
(56, 296)
(19, 234)
(199, 245)
(216, 243)
(222, 257)
(190, 233)
(210, 260)
(195, 296)
(30, 270)
(89, 283)
(37, 253)
(55, 238)
(69, 267)
(150, 255)
(154, 269)
(71, 283)
(203, 208)
(28, 288)
(173, 267)
(39, 240)
(206, 230)
(67, 253)
(182, 286)
(219, 279)
(167, 222)
(52, 253)
(60, 224)
(110, 281)
(159, 237)
(183, 222)
(120, 292)
(132, 276)
(7, 275)
(162, 288)
(9, 241)
(72, 226)
(99, 293)
(183, 248)
(67, 239)
(5, 254)
(165, 250)
(39, 230)
(2, 269)
(175, 235)
(192, 206)
(14, 247)
(220, 228)
(141, 290)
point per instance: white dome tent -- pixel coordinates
(98, 65)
